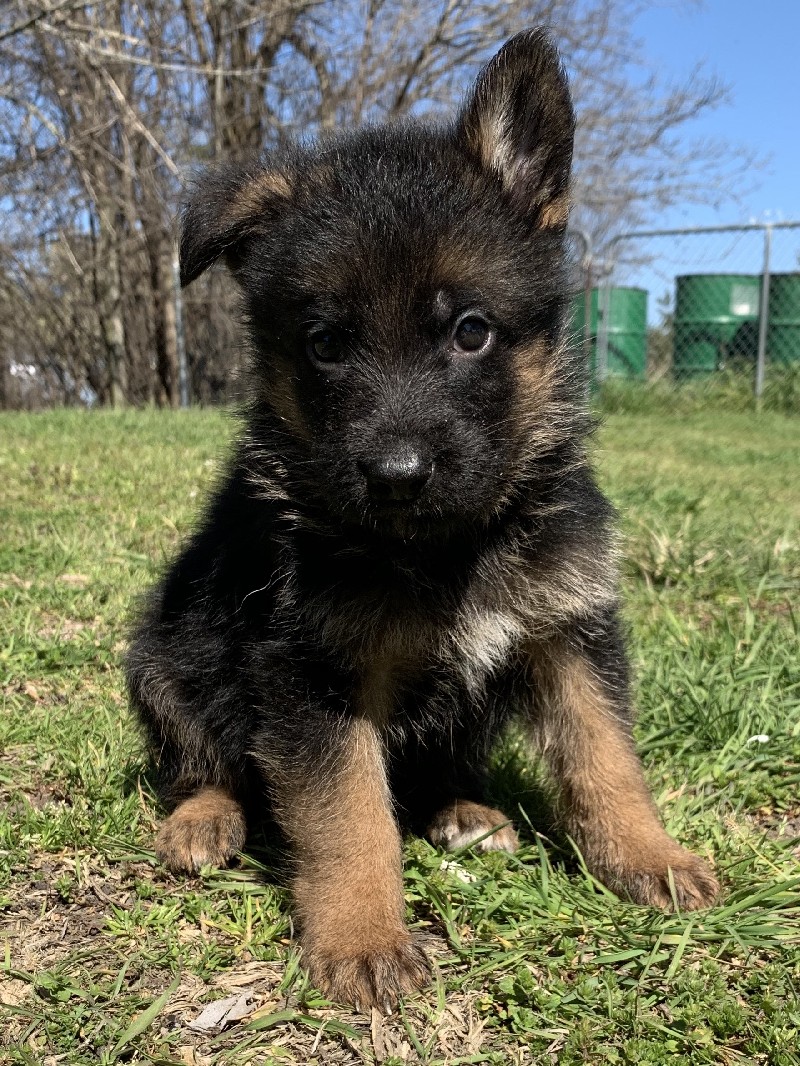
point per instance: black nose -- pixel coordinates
(397, 475)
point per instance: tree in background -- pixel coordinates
(105, 107)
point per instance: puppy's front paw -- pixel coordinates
(463, 822)
(207, 829)
(370, 978)
(648, 883)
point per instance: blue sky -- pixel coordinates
(755, 48)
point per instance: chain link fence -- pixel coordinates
(707, 312)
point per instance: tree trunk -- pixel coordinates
(165, 326)
(112, 322)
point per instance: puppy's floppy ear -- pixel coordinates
(519, 123)
(226, 204)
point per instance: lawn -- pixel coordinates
(108, 959)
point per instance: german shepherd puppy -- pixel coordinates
(409, 549)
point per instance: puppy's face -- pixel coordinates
(404, 292)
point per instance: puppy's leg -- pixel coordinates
(439, 785)
(462, 822)
(198, 776)
(336, 809)
(583, 721)
(208, 828)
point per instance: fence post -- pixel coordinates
(587, 262)
(603, 308)
(587, 323)
(763, 316)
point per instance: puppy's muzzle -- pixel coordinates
(398, 476)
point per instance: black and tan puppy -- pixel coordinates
(409, 549)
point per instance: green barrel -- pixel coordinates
(783, 325)
(716, 322)
(627, 330)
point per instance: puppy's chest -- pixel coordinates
(465, 629)
(421, 674)
(460, 637)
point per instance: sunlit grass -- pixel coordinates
(107, 959)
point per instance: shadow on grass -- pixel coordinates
(515, 784)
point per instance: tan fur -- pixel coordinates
(537, 422)
(555, 213)
(578, 583)
(349, 889)
(542, 418)
(483, 640)
(463, 822)
(375, 692)
(520, 602)
(491, 142)
(454, 264)
(205, 830)
(534, 368)
(263, 187)
(607, 808)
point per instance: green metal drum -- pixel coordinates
(783, 325)
(716, 322)
(627, 330)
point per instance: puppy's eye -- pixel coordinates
(324, 345)
(471, 334)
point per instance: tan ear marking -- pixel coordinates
(555, 213)
(489, 141)
(257, 192)
(519, 125)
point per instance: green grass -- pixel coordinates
(106, 959)
(727, 390)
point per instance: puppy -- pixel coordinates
(409, 549)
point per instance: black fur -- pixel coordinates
(246, 666)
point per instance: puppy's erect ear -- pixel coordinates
(519, 123)
(226, 204)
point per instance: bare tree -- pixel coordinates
(105, 107)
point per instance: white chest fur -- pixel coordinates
(482, 641)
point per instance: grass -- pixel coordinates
(726, 390)
(106, 959)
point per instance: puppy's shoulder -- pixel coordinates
(557, 559)
(235, 545)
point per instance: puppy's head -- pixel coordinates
(404, 290)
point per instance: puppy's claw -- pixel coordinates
(651, 883)
(463, 823)
(207, 829)
(375, 978)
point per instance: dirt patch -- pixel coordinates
(57, 918)
(57, 914)
(56, 627)
(780, 824)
